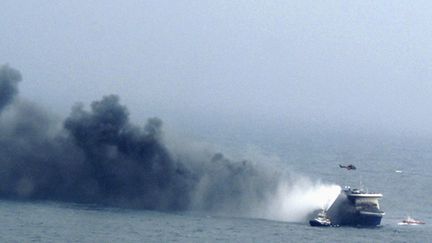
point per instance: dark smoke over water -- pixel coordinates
(99, 156)
(9, 79)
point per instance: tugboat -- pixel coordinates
(321, 220)
(355, 207)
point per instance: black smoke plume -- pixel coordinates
(99, 156)
(9, 79)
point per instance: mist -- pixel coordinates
(300, 65)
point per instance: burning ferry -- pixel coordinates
(355, 207)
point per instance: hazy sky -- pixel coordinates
(361, 64)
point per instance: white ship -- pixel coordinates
(356, 207)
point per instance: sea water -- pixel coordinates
(401, 174)
(59, 222)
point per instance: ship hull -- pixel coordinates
(345, 211)
(361, 220)
(369, 220)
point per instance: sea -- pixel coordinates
(399, 169)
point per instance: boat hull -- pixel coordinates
(345, 211)
(314, 222)
(362, 220)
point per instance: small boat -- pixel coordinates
(321, 220)
(348, 167)
(411, 221)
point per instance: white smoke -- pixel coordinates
(276, 193)
(293, 202)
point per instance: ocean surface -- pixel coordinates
(400, 171)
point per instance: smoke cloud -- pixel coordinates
(9, 79)
(98, 156)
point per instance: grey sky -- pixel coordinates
(361, 64)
